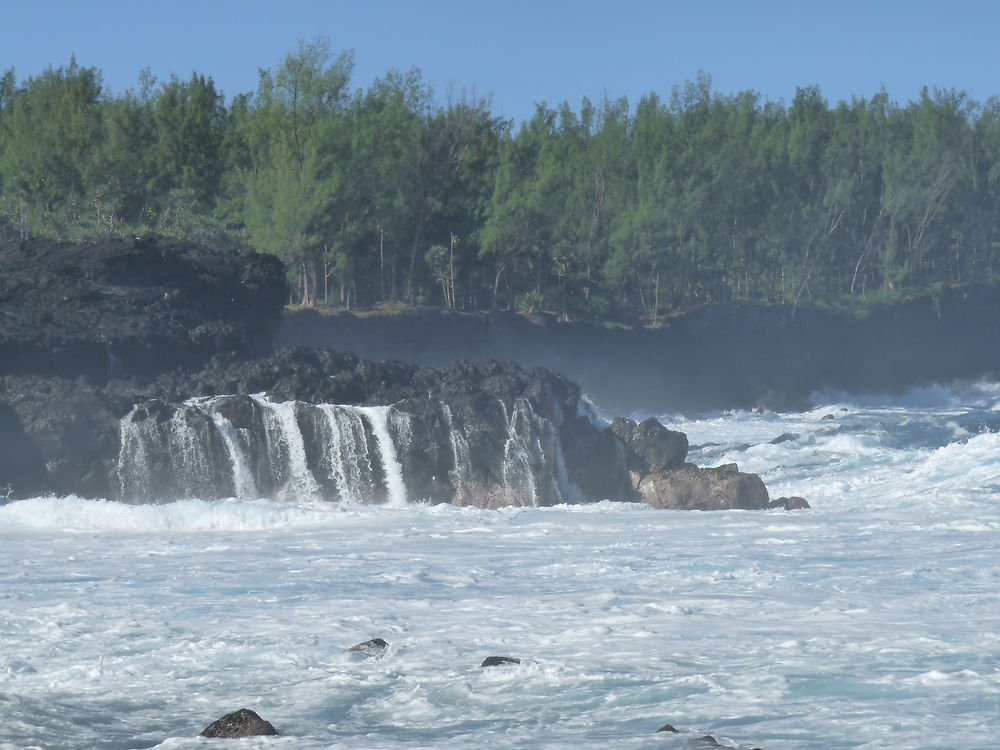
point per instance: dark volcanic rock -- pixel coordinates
(788, 503)
(65, 431)
(496, 661)
(650, 446)
(119, 307)
(372, 648)
(134, 369)
(242, 723)
(692, 488)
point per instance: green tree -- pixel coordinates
(290, 180)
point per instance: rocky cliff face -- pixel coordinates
(142, 370)
(124, 308)
(738, 356)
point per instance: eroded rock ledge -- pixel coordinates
(143, 370)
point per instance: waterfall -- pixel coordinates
(290, 450)
(133, 457)
(248, 446)
(284, 437)
(244, 486)
(461, 471)
(378, 418)
(347, 457)
(518, 475)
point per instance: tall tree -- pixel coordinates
(289, 182)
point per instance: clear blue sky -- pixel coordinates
(526, 51)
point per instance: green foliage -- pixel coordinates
(385, 196)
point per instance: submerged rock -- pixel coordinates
(242, 723)
(372, 648)
(788, 503)
(496, 661)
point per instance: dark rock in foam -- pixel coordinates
(499, 661)
(374, 647)
(242, 723)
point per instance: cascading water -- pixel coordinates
(196, 451)
(523, 455)
(461, 472)
(347, 458)
(284, 436)
(244, 486)
(378, 418)
(249, 447)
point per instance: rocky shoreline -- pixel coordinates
(145, 369)
(718, 357)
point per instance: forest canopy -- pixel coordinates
(602, 210)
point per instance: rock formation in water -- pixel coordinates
(499, 661)
(373, 648)
(143, 370)
(242, 723)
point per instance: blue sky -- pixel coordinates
(526, 51)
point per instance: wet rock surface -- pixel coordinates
(242, 723)
(690, 487)
(143, 370)
(499, 661)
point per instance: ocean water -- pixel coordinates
(870, 621)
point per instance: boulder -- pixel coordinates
(242, 723)
(497, 661)
(650, 447)
(788, 503)
(372, 648)
(692, 488)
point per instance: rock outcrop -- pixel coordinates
(242, 723)
(499, 661)
(373, 648)
(662, 478)
(690, 487)
(142, 370)
(138, 307)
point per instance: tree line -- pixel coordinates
(601, 211)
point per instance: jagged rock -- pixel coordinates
(692, 488)
(784, 438)
(372, 648)
(132, 369)
(496, 661)
(667, 728)
(710, 741)
(118, 308)
(650, 447)
(242, 723)
(597, 458)
(788, 503)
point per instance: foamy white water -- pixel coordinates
(870, 621)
